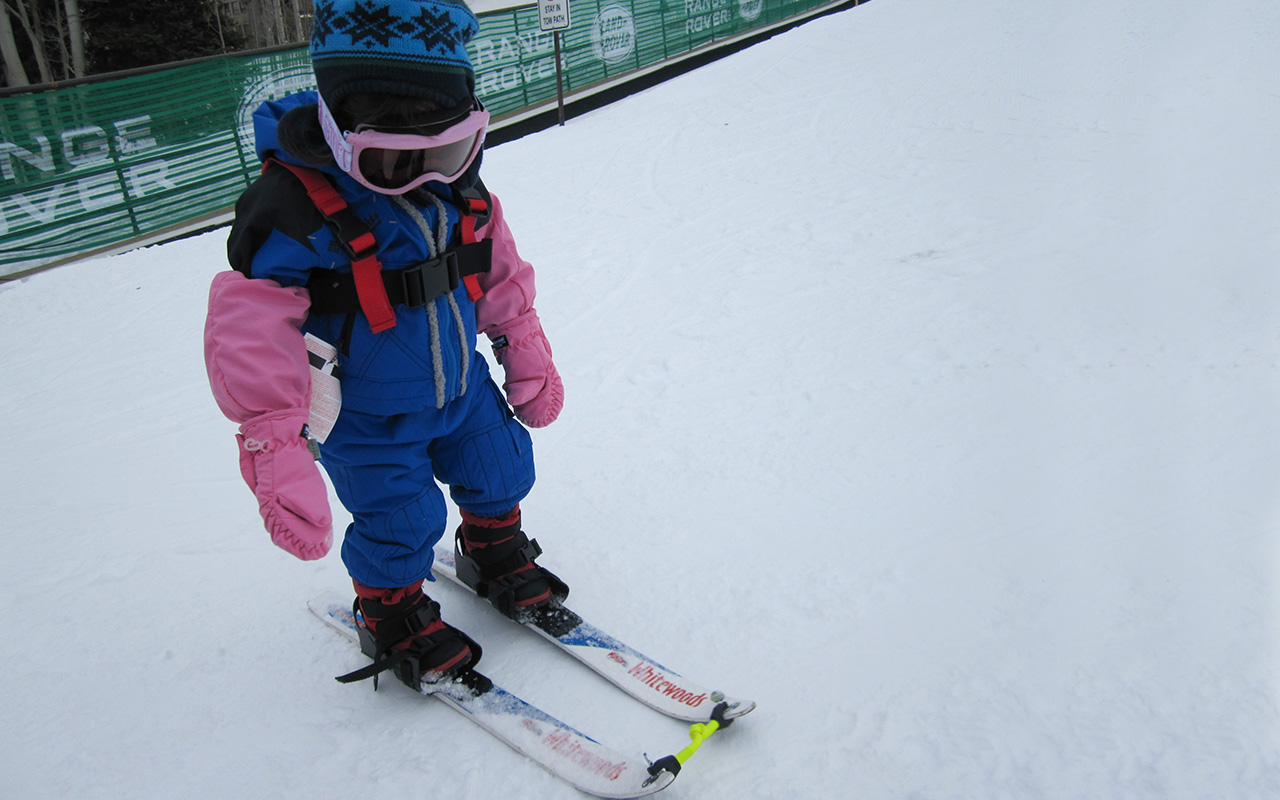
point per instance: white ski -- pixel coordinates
(636, 674)
(563, 751)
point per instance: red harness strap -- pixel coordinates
(475, 205)
(356, 239)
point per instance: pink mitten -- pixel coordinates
(532, 384)
(292, 498)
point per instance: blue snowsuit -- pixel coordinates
(418, 403)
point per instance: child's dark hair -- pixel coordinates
(299, 134)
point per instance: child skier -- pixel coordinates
(370, 230)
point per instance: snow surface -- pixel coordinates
(922, 369)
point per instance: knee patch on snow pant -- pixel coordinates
(488, 463)
(381, 471)
(394, 547)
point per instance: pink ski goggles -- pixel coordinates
(393, 163)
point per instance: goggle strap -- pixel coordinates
(338, 145)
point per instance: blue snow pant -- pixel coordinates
(385, 468)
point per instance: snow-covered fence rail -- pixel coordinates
(95, 165)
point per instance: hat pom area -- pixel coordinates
(415, 48)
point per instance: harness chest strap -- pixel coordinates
(378, 290)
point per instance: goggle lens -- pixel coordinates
(390, 168)
(396, 162)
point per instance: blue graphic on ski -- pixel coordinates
(648, 681)
(570, 755)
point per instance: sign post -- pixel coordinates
(553, 15)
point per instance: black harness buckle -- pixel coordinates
(353, 234)
(427, 280)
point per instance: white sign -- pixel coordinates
(553, 15)
(613, 37)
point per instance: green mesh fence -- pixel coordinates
(98, 164)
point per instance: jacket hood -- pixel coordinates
(266, 120)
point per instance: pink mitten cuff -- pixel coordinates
(292, 497)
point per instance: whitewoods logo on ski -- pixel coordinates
(646, 674)
(561, 742)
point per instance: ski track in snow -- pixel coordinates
(921, 371)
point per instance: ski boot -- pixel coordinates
(401, 630)
(495, 558)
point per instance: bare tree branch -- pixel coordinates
(14, 73)
(75, 34)
(37, 41)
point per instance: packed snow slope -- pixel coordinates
(922, 379)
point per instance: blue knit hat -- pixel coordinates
(415, 48)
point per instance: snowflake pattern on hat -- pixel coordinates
(444, 27)
(415, 47)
